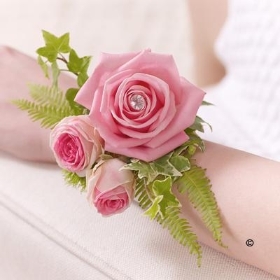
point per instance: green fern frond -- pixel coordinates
(48, 115)
(141, 194)
(72, 179)
(45, 95)
(198, 187)
(181, 230)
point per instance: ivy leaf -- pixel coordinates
(144, 170)
(155, 208)
(79, 66)
(163, 187)
(164, 167)
(82, 78)
(48, 52)
(55, 73)
(180, 150)
(70, 96)
(181, 163)
(54, 45)
(75, 63)
(43, 66)
(60, 44)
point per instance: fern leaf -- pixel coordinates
(181, 230)
(198, 187)
(72, 179)
(48, 115)
(141, 195)
(44, 95)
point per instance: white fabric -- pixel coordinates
(246, 113)
(100, 26)
(47, 230)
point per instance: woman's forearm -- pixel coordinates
(247, 188)
(18, 134)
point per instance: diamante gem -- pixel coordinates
(137, 102)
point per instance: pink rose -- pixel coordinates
(139, 104)
(110, 188)
(76, 144)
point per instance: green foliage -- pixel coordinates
(162, 197)
(55, 73)
(77, 108)
(181, 230)
(54, 46)
(44, 66)
(79, 66)
(156, 180)
(198, 188)
(49, 105)
(206, 103)
(164, 207)
(72, 179)
(57, 51)
(171, 164)
(154, 192)
(160, 203)
(199, 124)
(142, 194)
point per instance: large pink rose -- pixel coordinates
(110, 188)
(140, 104)
(76, 144)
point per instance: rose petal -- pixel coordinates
(108, 65)
(149, 154)
(185, 115)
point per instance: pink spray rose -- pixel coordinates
(76, 144)
(110, 188)
(140, 104)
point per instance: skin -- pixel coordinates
(247, 187)
(20, 136)
(207, 18)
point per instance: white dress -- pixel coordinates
(247, 101)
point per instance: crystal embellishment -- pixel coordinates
(137, 102)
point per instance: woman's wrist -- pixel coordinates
(247, 189)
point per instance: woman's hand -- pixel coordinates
(20, 136)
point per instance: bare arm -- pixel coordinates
(18, 135)
(247, 188)
(207, 18)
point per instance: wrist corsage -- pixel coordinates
(128, 132)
